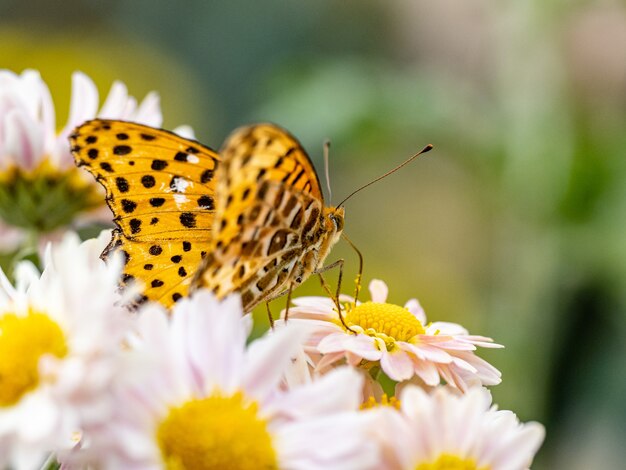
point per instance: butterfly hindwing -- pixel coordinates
(269, 202)
(161, 189)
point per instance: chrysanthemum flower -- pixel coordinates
(59, 342)
(444, 430)
(41, 190)
(396, 338)
(202, 399)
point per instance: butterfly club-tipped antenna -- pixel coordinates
(426, 149)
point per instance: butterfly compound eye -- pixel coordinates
(337, 221)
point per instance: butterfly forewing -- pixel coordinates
(161, 189)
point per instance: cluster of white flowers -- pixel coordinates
(87, 383)
(95, 385)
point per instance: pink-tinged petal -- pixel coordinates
(315, 305)
(427, 371)
(449, 343)
(11, 238)
(364, 346)
(268, 358)
(397, 365)
(328, 360)
(416, 309)
(482, 341)
(23, 139)
(149, 111)
(334, 342)
(426, 352)
(360, 345)
(115, 102)
(453, 378)
(487, 373)
(310, 313)
(458, 362)
(339, 390)
(378, 291)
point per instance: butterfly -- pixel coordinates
(249, 219)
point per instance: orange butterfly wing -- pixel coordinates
(161, 189)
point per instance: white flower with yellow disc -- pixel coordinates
(41, 190)
(395, 338)
(202, 398)
(60, 334)
(443, 430)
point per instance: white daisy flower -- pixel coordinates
(41, 190)
(445, 431)
(203, 399)
(59, 342)
(395, 338)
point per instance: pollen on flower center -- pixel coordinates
(23, 340)
(371, 402)
(391, 320)
(450, 462)
(214, 433)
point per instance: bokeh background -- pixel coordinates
(514, 226)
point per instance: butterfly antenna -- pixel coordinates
(428, 148)
(326, 167)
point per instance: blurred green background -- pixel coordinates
(513, 226)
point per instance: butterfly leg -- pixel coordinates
(288, 301)
(335, 297)
(269, 315)
(360, 273)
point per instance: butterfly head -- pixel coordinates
(334, 221)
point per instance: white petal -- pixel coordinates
(185, 131)
(149, 111)
(336, 442)
(447, 328)
(397, 365)
(217, 338)
(84, 101)
(23, 139)
(339, 390)
(267, 359)
(115, 102)
(378, 291)
(416, 309)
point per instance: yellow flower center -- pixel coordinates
(450, 462)
(371, 402)
(387, 321)
(216, 432)
(23, 341)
